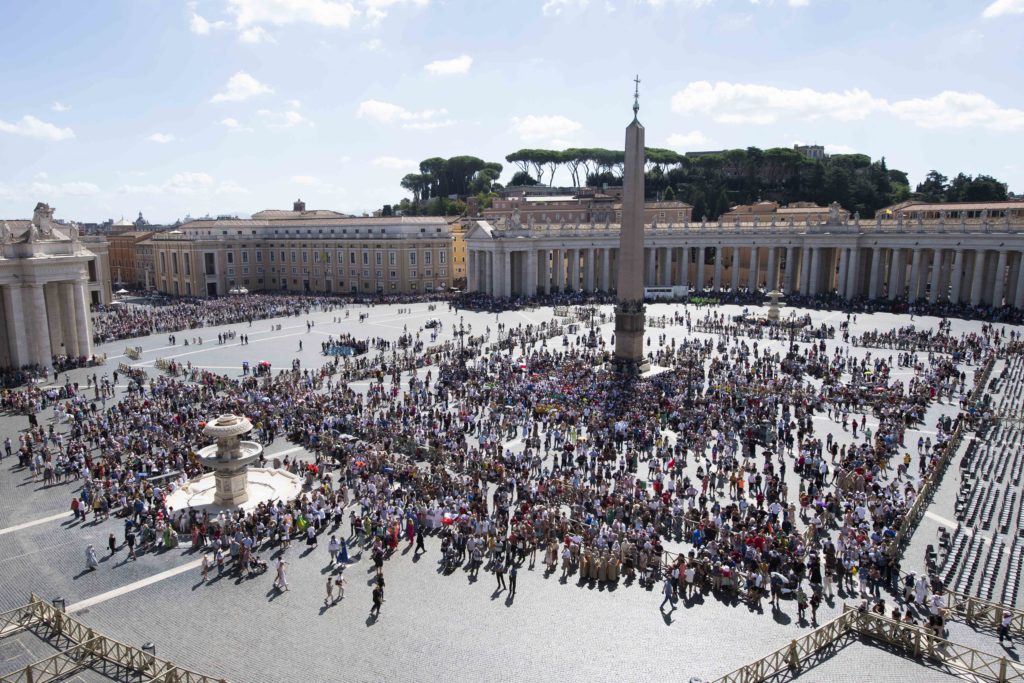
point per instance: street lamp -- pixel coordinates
(59, 604)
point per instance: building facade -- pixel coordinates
(46, 272)
(125, 266)
(304, 251)
(959, 260)
(586, 205)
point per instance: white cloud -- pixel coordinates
(839, 149)
(685, 140)
(283, 119)
(161, 138)
(41, 175)
(256, 35)
(311, 181)
(234, 126)
(373, 45)
(294, 104)
(39, 189)
(449, 67)
(394, 163)
(241, 87)
(799, 3)
(386, 112)
(59, 107)
(31, 127)
(763, 104)
(329, 13)
(554, 8)
(202, 27)
(1000, 8)
(950, 109)
(376, 10)
(544, 128)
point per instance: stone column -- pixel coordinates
(997, 291)
(933, 284)
(718, 269)
(39, 330)
(805, 270)
(772, 276)
(915, 276)
(666, 272)
(606, 270)
(650, 278)
(1018, 295)
(544, 286)
(506, 275)
(531, 272)
(752, 279)
(470, 279)
(876, 255)
(844, 260)
(14, 326)
(789, 278)
(67, 296)
(896, 274)
(55, 320)
(956, 276)
(978, 279)
(558, 263)
(82, 318)
(489, 285)
(1011, 278)
(735, 269)
(700, 269)
(853, 273)
(815, 277)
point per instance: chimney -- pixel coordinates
(299, 206)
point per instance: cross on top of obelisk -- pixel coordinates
(636, 96)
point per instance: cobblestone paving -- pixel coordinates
(432, 626)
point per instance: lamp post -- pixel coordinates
(59, 604)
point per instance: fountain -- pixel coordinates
(232, 483)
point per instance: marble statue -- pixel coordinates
(515, 218)
(654, 225)
(757, 222)
(42, 218)
(32, 236)
(531, 221)
(73, 232)
(856, 219)
(833, 213)
(789, 223)
(704, 222)
(5, 233)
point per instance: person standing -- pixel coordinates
(1004, 627)
(340, 582)
(499, 573)
(420, 547)
(667, 590)
(512, 575)
(112, 543)
(206, 567)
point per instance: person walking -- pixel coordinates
(420, 547)
(378, 598)
(499, 573)
(340, 582)
(667, 590)
(329, 600)
(281, 582)
(513, 572)
(91, 562)
(206, 567)
(112, 543)
(129, 539)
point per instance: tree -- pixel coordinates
(670, 195)
(934, 187)
(700, 205)
(387, 211)
(522, 179)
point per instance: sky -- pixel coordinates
(177, 107)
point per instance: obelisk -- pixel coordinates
(629, 309)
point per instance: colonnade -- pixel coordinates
(981, 275)
(42, 320)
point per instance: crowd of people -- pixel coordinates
(721, 474)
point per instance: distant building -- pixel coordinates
(305, 251)
(816, 152)
(800, 212)
(585, 205)
(124, 258)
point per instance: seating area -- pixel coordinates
(984, 554)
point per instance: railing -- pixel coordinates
(87, 649)
(133, 352)
(914, 640)
(975, 611)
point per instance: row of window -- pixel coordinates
(378, 258)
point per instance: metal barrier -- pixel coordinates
(913, 640)
(88, 648)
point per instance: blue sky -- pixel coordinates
(231, 106)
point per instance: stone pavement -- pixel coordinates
(432, 625)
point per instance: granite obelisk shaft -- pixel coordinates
(629, 311)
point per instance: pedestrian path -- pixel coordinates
(132, 587)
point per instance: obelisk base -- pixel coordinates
(629, 339)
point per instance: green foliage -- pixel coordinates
(522, 178)
(963, 188)
(439, 179)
